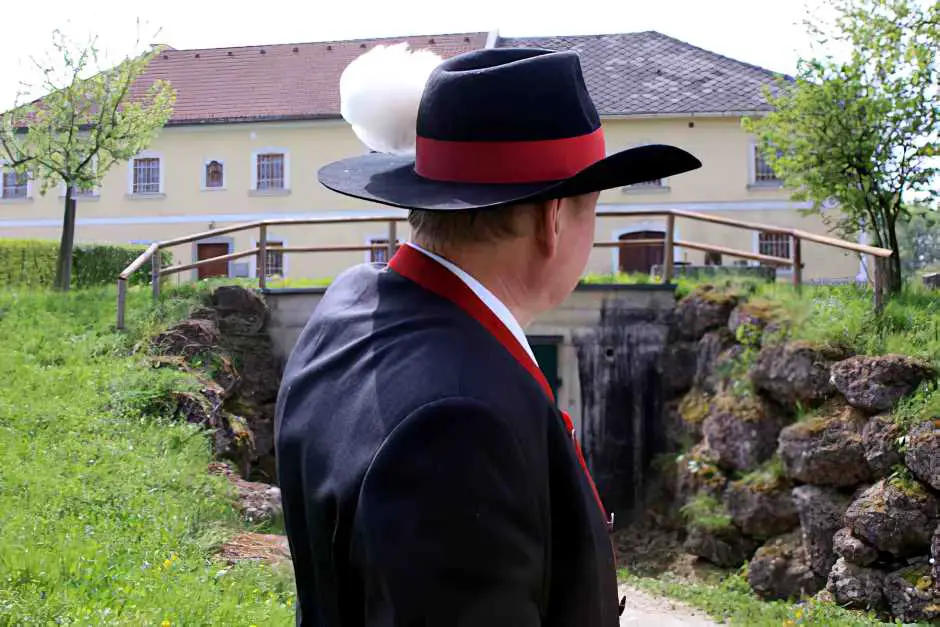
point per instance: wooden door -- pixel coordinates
(546, 355)
(641, 257)
(215, 268)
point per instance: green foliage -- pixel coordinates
(854, 136)
(922, 405)
(32, 263)
(919, 240)
(729, 598)
(766, 476)
(707, 513)
(108, 513)
(87, 120)
(27, 263)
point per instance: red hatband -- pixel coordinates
(507, 162)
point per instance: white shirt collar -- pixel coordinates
(496, 306)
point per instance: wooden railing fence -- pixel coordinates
(669, 243)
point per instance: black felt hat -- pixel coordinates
(490, 128)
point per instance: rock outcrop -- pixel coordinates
(894, 517)
(856, 586)
(820, 515)
(826, 450)
(761, 509)
(781, 570)
(742, 432)
(876, 384)
(812, 477)
(923, 452)
(704, 310)
(225, 344)
(796, 373)
(912, 594)
(880, 438)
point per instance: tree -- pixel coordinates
(920, 241)
(857, 136)
(87, 120)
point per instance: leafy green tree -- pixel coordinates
(857, 136)
(920, 241)
(87, 120)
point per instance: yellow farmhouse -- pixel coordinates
(252, 125)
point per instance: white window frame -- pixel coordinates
(204, 176)
(130, 175)
(254, 172)
(752, 181)
(271, 237)
(782, 271)
(29, 187)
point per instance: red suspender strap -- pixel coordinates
(429, 274)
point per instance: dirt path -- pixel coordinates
(645, 609)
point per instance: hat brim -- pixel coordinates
(392, 180)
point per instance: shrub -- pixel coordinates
(32, 263)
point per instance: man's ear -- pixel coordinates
(548, 226)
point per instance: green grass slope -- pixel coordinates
(107, 514)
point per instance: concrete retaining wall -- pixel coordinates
(291, 308)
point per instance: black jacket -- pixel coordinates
(426, 478)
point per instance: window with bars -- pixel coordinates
(654, 183)
(774, 245)
(270, 171)
(15, 185)
(763, 173)
(380, 255)
(146, 175)
(274, 260)
(214, 175)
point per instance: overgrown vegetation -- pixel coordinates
(108, 513)
(32, 263)
(707, 513)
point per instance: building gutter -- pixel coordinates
(681, 114)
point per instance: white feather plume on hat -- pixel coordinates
(379, 94)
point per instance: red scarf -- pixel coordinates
(431, 275)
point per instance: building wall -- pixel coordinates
(723, 186)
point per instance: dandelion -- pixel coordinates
(165, 623)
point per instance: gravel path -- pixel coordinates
(645, 609)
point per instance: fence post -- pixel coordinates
(155, 273)
(796, 256)
(879, 303)
(121, 302)
(262, 256)
(392, 238)
(668, 248)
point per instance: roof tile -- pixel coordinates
(651, 73)
(283, 81)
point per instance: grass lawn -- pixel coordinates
(107, 514)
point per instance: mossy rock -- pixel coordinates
(694, 407)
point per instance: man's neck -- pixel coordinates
(493, 268)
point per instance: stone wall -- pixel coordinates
(795, 464)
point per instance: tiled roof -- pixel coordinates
(650, 73)
(283, 81)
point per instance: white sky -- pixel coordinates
(763, 32)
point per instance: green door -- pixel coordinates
(546, 354)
